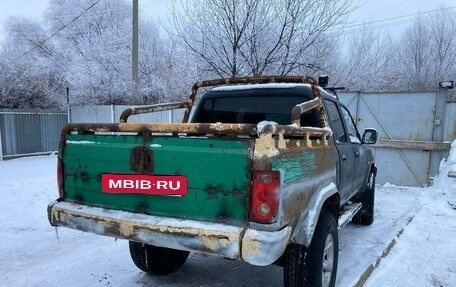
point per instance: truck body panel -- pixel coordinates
(221, 195)
(260, 161)
(255, 247)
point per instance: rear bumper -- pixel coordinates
(255, 247)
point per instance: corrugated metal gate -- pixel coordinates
(408, 151)
(26, 132)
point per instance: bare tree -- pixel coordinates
(215, 31)
(368, 63)
(443, 30)
(253, 37)
(428, 52)
(415, 55)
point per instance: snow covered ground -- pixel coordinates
(411, 243)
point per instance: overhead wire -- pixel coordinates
(359, 26)
(345, 30)
(60, 29)
(96, 13)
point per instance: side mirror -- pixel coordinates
(370, 136)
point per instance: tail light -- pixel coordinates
(265, 196)
(60, 177)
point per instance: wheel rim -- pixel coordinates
(328, 261)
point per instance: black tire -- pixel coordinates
(315, 266)
(365, 215)
(157, 260)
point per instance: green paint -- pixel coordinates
(296, 165)
(218, 172)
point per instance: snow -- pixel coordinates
(259, 86)
(442, 181)
(261, 125)
(80, 142)
(354, 139)
(426, 250)
(421, 223)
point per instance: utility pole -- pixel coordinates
(134, 51)
(68, 104)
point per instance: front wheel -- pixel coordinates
(157, 260)
(365, 215)
(315, 266)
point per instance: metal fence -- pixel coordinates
(111, 114)
(412, 128)
(33, 132)
(29, 132)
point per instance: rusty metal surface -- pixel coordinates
(152, 108)
(194, 128)
(257, 248)
(173, 128)
(253, 80)
(306, 165)
(204, 128)
(212, 238)
(309, 171)
(305, 132)
(141, 160)
(298, 110)
(216, 128)
(264, 248)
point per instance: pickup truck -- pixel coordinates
(265, 171)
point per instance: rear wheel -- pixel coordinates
(157, 260)
(315, 266)
(365, 215)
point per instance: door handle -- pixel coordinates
(344, 157)
(357, 153)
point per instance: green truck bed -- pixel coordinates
(221, 195)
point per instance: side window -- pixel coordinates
(351, 128)
(336, 122)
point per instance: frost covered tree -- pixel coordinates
(428, 51)
(89, 50)
(95, 50)
(255, 37)
(416, 55)
(368, 63)
(28, 78)
(86, 50)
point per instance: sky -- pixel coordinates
(370, 11)
(394, 16)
